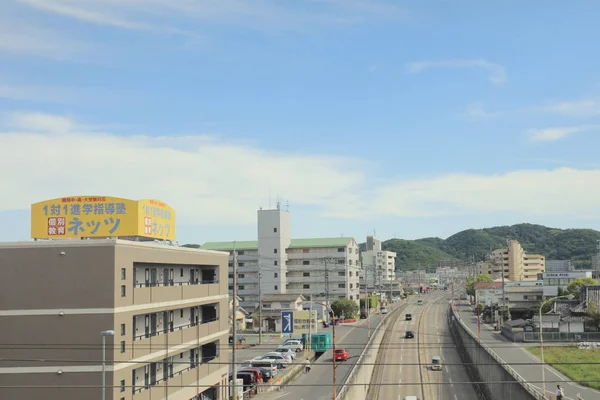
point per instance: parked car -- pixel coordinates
(287, 356)
(255, 371)
(409, 335)
(340, 354)
(287, 352)
(384, 310)
(292, 344)
(277, 358)
(258, 362)
(363, 315)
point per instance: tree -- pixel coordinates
(575, 286)
(472, 280)
(373, 302)
(593, 315)
(345, 307)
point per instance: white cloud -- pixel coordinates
(576, 108)
(553, 134)
(205, 179)
(563, 191)
(214, 182)
(496, 72)
(161, 15)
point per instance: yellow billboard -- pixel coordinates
(101, 216)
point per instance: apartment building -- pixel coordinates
(378, 265)
(516, 264)
(319, 267)
(559, 266)
(162, 311)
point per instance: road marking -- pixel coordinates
(455, 398)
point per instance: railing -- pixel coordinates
(562, 336)
(175, 328)
(173, 283)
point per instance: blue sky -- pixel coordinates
(411, 118)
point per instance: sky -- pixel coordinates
(405, 119)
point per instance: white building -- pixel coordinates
(554, 280)
(326, 268)
(488, 293)
(378, 265)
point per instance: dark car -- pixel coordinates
(409, 335)
(409, 317)
(363, 315)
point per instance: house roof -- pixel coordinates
(488, 285)
(296, 243)
(282, 297)
(547, 317)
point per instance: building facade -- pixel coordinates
(324, 268)
(516, 264)
(559, 266)
(163, 310)
(488, 293)
(555, 280)
(378, 265)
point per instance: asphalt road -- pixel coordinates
(404, 378)
(317, 384)
(513, 353)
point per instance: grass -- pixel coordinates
(560, 357)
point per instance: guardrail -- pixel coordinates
(533, 390)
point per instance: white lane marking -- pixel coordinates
(455, 398)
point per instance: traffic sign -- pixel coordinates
(287, 322)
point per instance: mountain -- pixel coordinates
(577, 245)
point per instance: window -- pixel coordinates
(230, 287)
(241, 253)
(306, 286)
(241, 275)
(240, 287)
(275, 275)
(350, 273)
(230, 276)
(122, 385)
(240, 264)
(123, 291)
(266, 305)
(305, 250)
(341, 273)
(123, 274)
(274, 262)
(274, 251)
(122, 347)
(181, 313)
(276, 287)
(341, 285)
(231, 264)
(351, 286)
(122, 329)
(274, 230)
(305, 262)
(340, 260)
(341, 250)
(181, 272)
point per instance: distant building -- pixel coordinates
(488, 293)
(447, 274)
(448, 264)
(321, 267)
(514, 263)
(559, 266)
(378, 265)
(554, 280)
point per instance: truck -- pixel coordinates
(320, 342)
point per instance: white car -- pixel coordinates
(384, 310)
(285, 356)
(281, 361)
(292, 344)
(286, 352)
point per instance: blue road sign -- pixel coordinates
(287, 322)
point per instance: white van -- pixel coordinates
(436, 363)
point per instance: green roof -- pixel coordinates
(238, 245)
(320, 242)
(296, 243)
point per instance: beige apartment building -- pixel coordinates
(165, 309)
(516, 264)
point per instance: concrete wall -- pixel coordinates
(484, 366)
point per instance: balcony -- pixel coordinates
(159, 341)
(158, 292)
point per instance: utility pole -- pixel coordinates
(333, 357)
(503, 293)
(260, 320)
(234, 309)
(367, 300)
(326, 281)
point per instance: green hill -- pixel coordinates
(577, 245)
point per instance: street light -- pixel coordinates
(104, 334)
(568, 296)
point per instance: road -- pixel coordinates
(515, 354)
(432, 338)
(317, 384)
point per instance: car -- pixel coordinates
(258, 377)
(292, 344)
(286, 352)
(409, 335)
(408, 317)
(384, 310)
(340, 354)
(436, 363)
(364, 315)
(278, 357)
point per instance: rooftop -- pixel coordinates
(282, 297)
(296, 244)
(488, 285)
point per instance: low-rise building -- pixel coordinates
(554, 280)
(488, 293)
(274, 304)
(161, 310)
